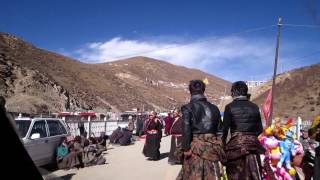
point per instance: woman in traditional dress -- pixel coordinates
(176, 137)
(153, 130)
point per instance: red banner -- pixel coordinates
(267, 106)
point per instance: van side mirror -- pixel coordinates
(35, 136)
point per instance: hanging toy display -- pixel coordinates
(281, 147)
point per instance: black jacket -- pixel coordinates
(125, 139)
(199, 117)
(241, 115)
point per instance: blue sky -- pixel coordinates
(100, 31)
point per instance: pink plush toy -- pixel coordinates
(282, 174)
(271, 144)
(298, 148)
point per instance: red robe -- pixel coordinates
(168, 120)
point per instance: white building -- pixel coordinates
(254, 84)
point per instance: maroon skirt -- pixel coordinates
(243, 157)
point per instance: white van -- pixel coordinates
(41, 137)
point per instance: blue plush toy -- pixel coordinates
(287, 148)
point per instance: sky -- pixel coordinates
(234, 40)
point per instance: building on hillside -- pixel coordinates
(254, 84)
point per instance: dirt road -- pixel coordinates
(125, 162)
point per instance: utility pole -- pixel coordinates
(275, 70)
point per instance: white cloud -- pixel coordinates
(232, 58)
(190, 52)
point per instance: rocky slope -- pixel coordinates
(297, 93)
(36, 80)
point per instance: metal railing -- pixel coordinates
(94, 128)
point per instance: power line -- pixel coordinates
(301, 25)
(269, 75)
(305, 56)
(197, 42)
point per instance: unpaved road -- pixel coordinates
(125, 162)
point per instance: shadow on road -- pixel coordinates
(48, 173)
(65, 177)
(68, 176)
(49, 168)
(164, 155)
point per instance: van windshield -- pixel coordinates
(23, 127)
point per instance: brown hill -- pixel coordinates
(297, 93)
(37, 80)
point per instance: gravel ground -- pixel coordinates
(124, 162)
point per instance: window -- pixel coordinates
(56, 128)
(39, 127)
(23, 127)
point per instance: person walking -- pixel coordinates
(153, 130)
(202, 149)
(242, 118)
(176, 137)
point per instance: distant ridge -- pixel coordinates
(35, 80)
(297, 93)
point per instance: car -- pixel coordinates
(41, 137)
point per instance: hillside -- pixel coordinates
(36, 80)
(297, 93)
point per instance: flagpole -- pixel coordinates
(275, 70)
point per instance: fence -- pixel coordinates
(94, 128)
(93, 125)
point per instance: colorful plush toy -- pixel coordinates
(272, 144)
(279, 143)
(287, 149)
(277, 129)
(282, 174)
